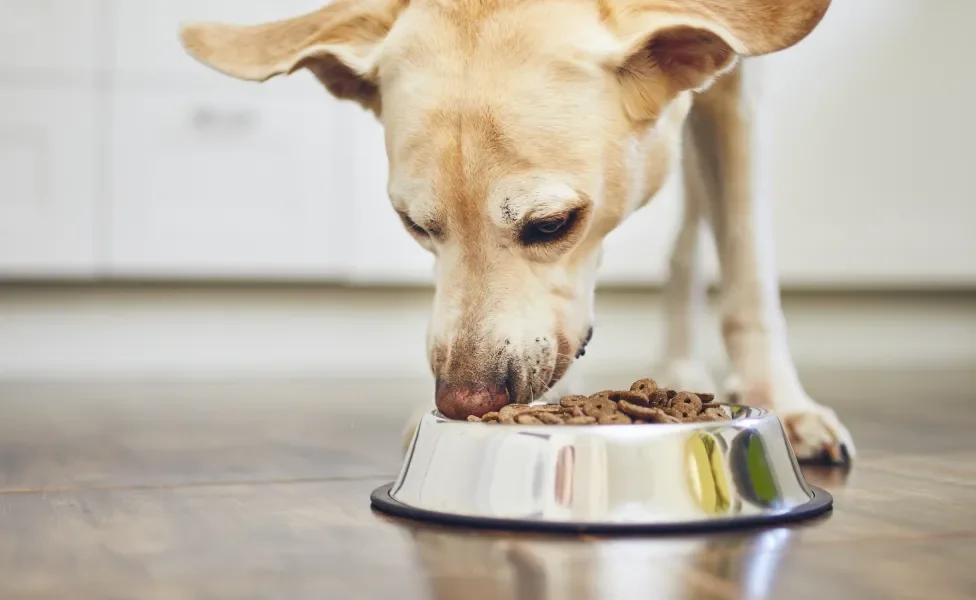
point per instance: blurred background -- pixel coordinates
(158, 221)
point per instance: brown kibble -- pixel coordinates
(658, 398)
(617, 418)
(549, 418)
(715, 413)
(615, 407)
(510, 411)
(584, 420)
(637, 411)
(628, 396)
(644, 386)
(599, 407)
(571, 401)
(665, 418)
(685, 405)
(648, 414)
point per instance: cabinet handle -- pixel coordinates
(209, 119)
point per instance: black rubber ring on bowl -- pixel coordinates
(821, 503)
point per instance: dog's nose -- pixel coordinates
(462, 401)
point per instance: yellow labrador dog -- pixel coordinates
(520, 132)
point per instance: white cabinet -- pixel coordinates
(146, 32)
(48, 36)
(47, 182)
(231, 184)
(872, 135)
(869, 155)
(121, 156)
(380, 251)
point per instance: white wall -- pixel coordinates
(120, 157)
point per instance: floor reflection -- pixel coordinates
(830, 478)
(488, 566)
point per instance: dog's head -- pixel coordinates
(519, 133)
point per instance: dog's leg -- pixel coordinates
(753, 327)
(685, 293)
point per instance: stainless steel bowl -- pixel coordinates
(610, 478)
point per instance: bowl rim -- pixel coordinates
(819, 504)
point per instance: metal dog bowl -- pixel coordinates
(603, 478)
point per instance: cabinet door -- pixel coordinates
(48, 35)
(238, 184)
(47, 182)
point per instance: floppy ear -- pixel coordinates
(337, 43)
(670, 46)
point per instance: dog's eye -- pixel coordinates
(413, 227)
(548, 229)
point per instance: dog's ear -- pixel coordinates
(338, 43)
(670, 46)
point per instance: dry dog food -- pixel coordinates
(644, 402)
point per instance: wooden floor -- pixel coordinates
(260, 490)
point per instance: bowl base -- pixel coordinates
(821, 503)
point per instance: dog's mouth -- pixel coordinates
(581, 351)
(512, 381)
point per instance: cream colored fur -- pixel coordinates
(504, 114)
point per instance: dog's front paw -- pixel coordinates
(817, 435)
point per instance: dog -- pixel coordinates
(521, 132)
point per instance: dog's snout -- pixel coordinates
(582, 347)
(462, 401)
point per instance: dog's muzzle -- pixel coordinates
(582, 349)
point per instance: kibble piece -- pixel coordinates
(706, 397)
(663, 417)
(617, 418)
(599, 407)
(671, 393)
(571, 401)
(658, 398)
(508, 413)
(526, 419)
(491, 417)
(543, 408)
(713, 414)
(584, 420)
(685, 405)
(637, 411)
(644, 386)
(549, 418)
(628, 396)
(474, 418)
